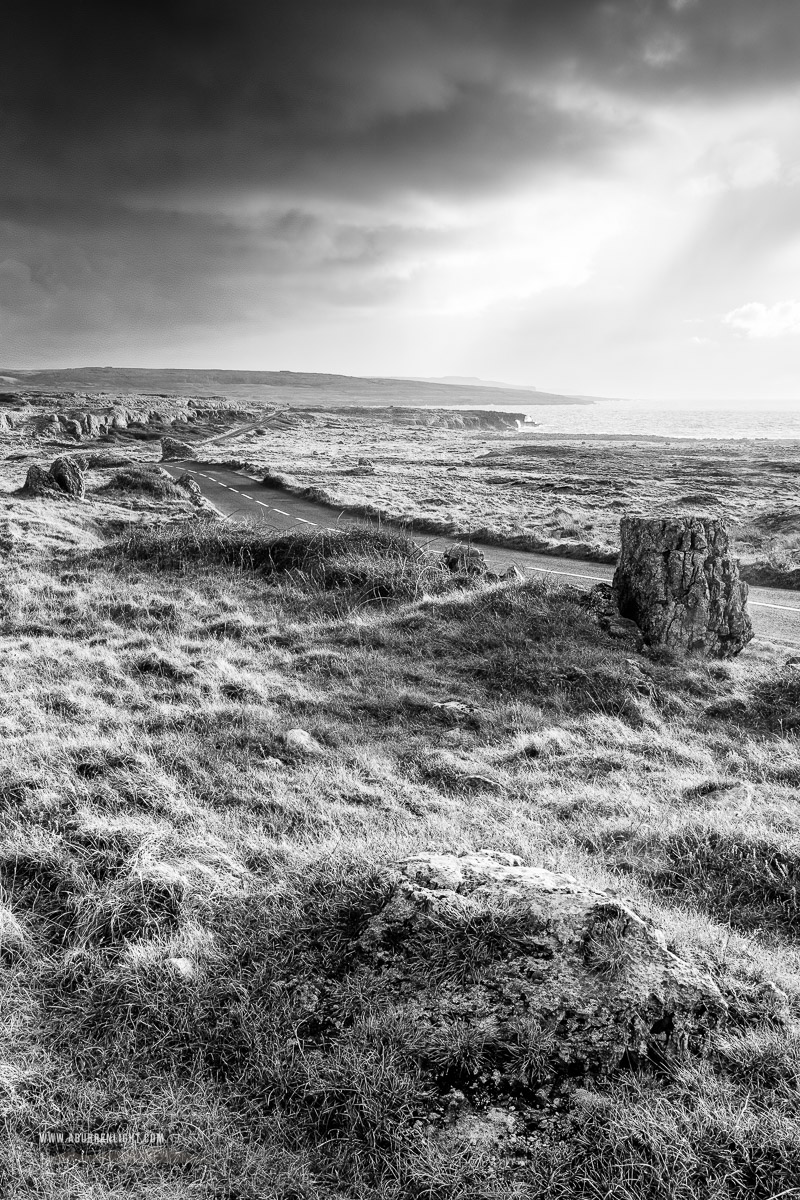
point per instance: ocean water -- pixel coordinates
(739, 419)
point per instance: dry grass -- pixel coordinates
(182, 892)
(151, 481)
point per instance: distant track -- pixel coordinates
(776, 615)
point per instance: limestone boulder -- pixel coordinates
(174, 451)
(48, 426)
(67, 474)
(300, 742)
(464, 560)
(71, 428)
(65, 477)
(530, 978)
(93, 425)
(189, 484)
(678, 580)
(39, 482)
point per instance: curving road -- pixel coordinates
(775, 613)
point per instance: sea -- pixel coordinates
(679, 418)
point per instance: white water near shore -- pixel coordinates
(690, 419)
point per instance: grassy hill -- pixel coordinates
(184, 885)
(275, 387)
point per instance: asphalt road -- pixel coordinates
(775, 613)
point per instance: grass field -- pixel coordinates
(183, 885)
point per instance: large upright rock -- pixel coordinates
(93, 425)
(174, 451)
(39, 482)
(65, 478)
(48, 426)
(70, 426)
(529, 977)
(67, 473)
(678, 580)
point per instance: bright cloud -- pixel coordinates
(763, 321)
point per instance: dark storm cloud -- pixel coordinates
(160, 95)
(172, 165)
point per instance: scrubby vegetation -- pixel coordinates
(147, 480)
(183, 887)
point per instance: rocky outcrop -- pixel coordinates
(464, 560)
(48, 426)
(173, 451)
(71, 428)
(93, 425)
(67, 473)
(39, 482)
(65, 478)
(364, 466)
(678, 580)
(79, 424)
(428, 418)
(189, 484)
(529, 977)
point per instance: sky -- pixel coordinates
(592, 196)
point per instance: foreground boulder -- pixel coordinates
(65, 477)
(678, 580)
(530, 978)
(174, 451)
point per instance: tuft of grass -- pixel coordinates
(753, 882)
(149, 481)
(690, 1139)
(203, 541)
(366, 566)
(606, 949)
(776, 699)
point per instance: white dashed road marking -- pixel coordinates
(763, 604)
(283, 514)
(305, 522)
(569, 574)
